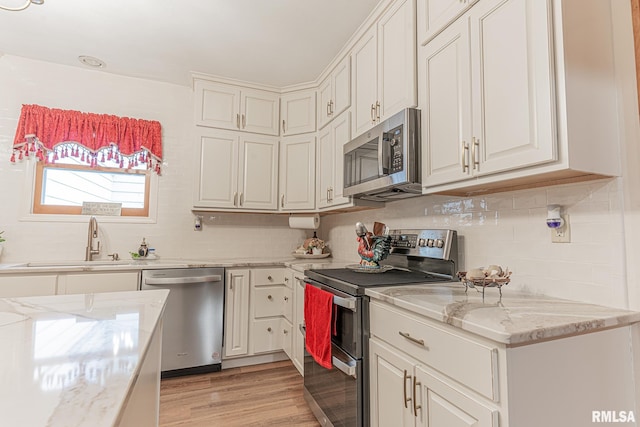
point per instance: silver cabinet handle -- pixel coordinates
(282, 201)
(377, 110)
(465, 155)
(269, 278)
(244, 121)
(347, 368)
(331, 107)
(238, 121)
(269, 297)
(241, 199)
(283, 126)
(286, 331)
(475, 149)
(286, 298)
(415, 397)
(373, 111)
(269, 329)
(404, 389)
(235, 198)
(328, 109)
(410, 338)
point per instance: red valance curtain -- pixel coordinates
(46, 134)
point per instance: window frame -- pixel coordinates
(40, 209)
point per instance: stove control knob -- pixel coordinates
(430, 243)
(422, 243)
(440, 243)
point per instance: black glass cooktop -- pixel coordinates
(354, 282)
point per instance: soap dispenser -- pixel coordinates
(143, 250)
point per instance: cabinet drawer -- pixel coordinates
(469, 362)
(270, 301)
(268, 276)
(266, 335)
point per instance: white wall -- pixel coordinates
(24, 81)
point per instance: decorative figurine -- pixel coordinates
(372, 249)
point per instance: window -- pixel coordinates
(62, 187)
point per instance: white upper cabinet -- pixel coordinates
(232, 107)
(331, 140)
(505, 102)
(236, 171)
(384, 67)
(298, 112)
(434, 15)
(297, 172)
(334, 92)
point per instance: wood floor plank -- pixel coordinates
(260, 395)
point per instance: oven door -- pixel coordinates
(335, 395)
(347, 319)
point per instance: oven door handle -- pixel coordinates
(347, 368)
(348, 303)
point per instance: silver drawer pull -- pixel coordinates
(269, 329)
(410, 338)
(269, 297)
(347, 368)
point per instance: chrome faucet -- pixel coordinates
(92, 234)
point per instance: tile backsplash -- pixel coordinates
(510, 229)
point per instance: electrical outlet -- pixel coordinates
(562, 235)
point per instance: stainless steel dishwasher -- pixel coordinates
(193, 318)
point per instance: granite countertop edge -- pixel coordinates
(517, 318)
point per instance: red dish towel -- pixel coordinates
(318, 306)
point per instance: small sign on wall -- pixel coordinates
(101, 208)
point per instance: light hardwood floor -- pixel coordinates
(260, 395)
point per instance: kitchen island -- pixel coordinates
(81, 360)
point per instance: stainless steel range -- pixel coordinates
(340, 396)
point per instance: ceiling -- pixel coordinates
(271, 42)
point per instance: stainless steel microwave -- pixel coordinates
(384, 163)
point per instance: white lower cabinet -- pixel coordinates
(14, 286)
(258, 306)
(297, 351)
(430, 374)
(83, 283)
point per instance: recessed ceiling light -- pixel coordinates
(91, 61)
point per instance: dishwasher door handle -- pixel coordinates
(181, 280)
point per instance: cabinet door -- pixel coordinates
(236, 316)
(341, 87)
(27, 286)
(365, 81)
(259, 111)
(445, 101)
(258, 180)
(217, 170)
(340, 135)
(287, 337)
(324, 102)
(298, 112)
(97, 282)
(391, 375)
(298, 323)
(396, 60)
(513, 111)
(441, 405)
(325, 166)
(266, 335)
(435, 15)
(217, 105)
(297, 172)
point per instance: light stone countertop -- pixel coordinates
(70, 360)
(517, 318)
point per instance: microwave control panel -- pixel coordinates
(394, 138)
